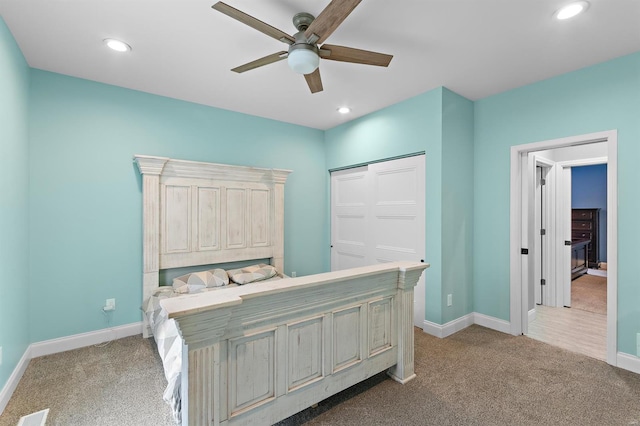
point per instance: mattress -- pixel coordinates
(169, 343)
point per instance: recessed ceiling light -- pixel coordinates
(344, 110)
(571, 10)
(117, 45)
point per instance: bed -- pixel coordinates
(259, 352)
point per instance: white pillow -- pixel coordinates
(197, 281)
(252, 273)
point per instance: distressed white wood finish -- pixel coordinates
(258, 353)
(265, 351)
(252, 366)
(380, 314)
(346, 338)
(305, 348)
(197, 213)
(208, 235)
(150, 168)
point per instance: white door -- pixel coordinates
(377, 216)
(349, 217)
(544, 227)
(537, 243)
(565, 227)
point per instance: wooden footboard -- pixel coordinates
(256, 354)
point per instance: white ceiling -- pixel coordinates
(183, 49)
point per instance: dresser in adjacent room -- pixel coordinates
(585, 225)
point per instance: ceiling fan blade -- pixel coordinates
(358, 56)
(329, 19)
(314, 81)
(269, 59)
(253, 22)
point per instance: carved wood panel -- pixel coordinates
(176, 219)
(260, 220)
(305, 349)
(380, 327)
(252, 370)
(236, 210)
(208, 229)
(193, 217)
(346, 338)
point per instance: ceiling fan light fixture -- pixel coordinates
(571, 10)
(303, 58)
(344, 110)
(117, 45)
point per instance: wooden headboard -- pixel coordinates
(197, 213)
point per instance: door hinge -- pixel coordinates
(543, 232)
(543, 282)
(524, 251)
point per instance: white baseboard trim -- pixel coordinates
(628, 362)
(532, 315)
(53, 346)
(463, 322)
(14, 379)
(492, 323)
(449, 328)
(623, 360)
(76, 341)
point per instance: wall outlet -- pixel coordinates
(449, 299)
(109, 305)
(293, 274)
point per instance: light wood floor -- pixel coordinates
(572, 329)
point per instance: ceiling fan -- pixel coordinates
(304, 53)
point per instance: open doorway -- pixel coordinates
(577, 319)
(589, 229)
(524, 234)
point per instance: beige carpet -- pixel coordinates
(475, 377)
(119, 384)
(589, 293)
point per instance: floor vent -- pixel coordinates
(36, 419)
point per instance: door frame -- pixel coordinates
(520, 213)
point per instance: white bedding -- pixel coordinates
(169, 342)
(165, 333)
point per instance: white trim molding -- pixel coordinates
(628, 362)
(77, 341)
(449, 328)
(463, 322)
(14, 379)
(48, 347)
(492, 322)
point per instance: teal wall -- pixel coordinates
(457, 206)
(598, 98)
(86, 205)
(14, 204)
(70, 223)
(440, 123)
